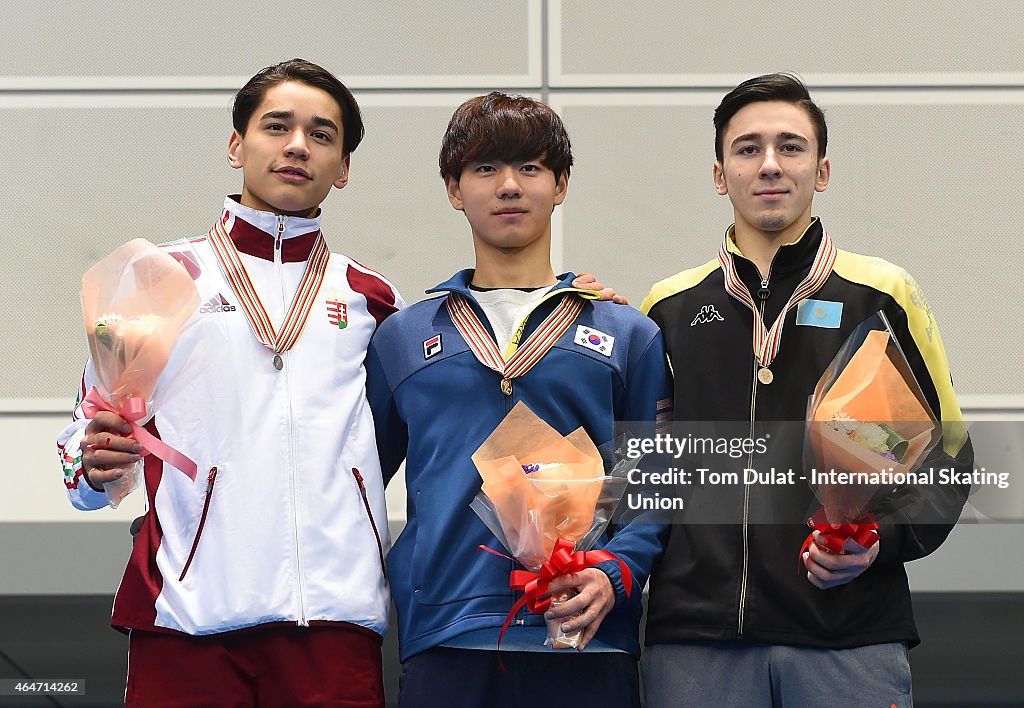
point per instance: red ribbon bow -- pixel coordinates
(561, 562)
(863, 530)
(134, 410)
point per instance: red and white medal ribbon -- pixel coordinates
(767, 341)
(528, 354)
(255, 312)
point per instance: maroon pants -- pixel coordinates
(280, 665)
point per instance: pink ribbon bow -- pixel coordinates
(134, 410)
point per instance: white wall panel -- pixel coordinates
(666, 43)
(929, 181)
(104, 44)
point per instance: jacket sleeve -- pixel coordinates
(916, 519)
(69, 452)
(389, 427)
(640, 541)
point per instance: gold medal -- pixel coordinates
(278, 362)
(506, 387)
(765, 375)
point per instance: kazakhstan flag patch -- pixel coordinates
(819, 313)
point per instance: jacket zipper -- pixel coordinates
(211, 479)
(373, 524)
(762, 295)
(508, 398)
(278, 260)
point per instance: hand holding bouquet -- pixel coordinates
(134, 303)
(869, 421)
(544, 495)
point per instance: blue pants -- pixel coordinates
(443, 677)
(743, 674)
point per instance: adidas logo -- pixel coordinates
(217, 303)
(707, 314)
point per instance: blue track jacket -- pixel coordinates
(433, 405)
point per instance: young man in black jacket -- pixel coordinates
(730, 621)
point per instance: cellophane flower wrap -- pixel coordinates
(539, 487)
(134, 303)
(867, 415)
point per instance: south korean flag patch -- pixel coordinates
(432, 346)
(594, 339)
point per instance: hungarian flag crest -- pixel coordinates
(337, 313)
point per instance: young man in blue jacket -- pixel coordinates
(442, 374)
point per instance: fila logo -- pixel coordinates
(217, 303)
(432, 346)
(707, 314)
(594, 339)
(337, 313)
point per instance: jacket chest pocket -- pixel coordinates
(211, 480)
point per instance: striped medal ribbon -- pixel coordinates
(528, 354)
(255, 312)
(767, 342)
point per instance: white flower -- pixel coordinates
(872, 437)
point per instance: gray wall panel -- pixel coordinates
(193, 42)
(641, 192)
(395, 216)
(89, 558)
(662, 38)
(89, 175)
(932, 187)
(926, 178)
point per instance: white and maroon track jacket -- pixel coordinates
(285, 521)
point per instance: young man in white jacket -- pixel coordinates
(262, 581)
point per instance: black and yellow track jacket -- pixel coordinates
(739, 579)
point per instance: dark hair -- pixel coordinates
(769, 87)
(508, 128)
(299, 70)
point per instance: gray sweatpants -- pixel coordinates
(745, 675)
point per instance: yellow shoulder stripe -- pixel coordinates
(677, 284)
(882, 275)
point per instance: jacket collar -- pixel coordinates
(459, 283)
(255, 232)
(790, 257)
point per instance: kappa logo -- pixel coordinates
(217, 303)
(432, 346)
(594, 339)
(707, 315)
(337, 313)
